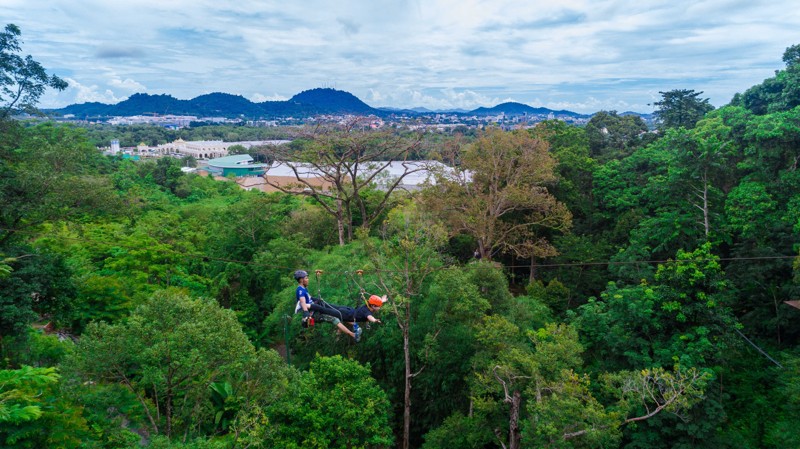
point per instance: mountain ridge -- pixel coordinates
(310, 102)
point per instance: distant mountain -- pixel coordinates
(513, 108)
(225, 105)
(332, 100)
(305, 104)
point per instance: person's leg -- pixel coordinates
(346, 314)
(325, 309)
(336, 322)
(344, 329)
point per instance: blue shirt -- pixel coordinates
(302, 293)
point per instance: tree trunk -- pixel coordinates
(514, 435)
(407, 391)
(168, 412)
(532, 276)
(705, 204)
(340, 221)
(486, 253)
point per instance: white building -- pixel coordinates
(203, 149)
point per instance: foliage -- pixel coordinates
(40, 286)
(22, 79)
(776, 94)
(683, 241)
(613, 136)
(336, 404)
(499, 196)
(681, 108)
(167, 353)
(18, 396)
(51, 173)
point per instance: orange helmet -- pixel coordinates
(375, 301)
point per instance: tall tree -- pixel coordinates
(348, 161)
(700, 165)
(405, 258)
(499, 195)
(681, 107)
(22, 79)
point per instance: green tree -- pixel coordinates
(19, 399)
(776, 94)
(50, 172)
(336, 404)
(22, 79)
(167, 353)
(681, 108)
(684, 318)
(348, 161)
(237, 149)
(791, 57)
(701, 167)
(613, 136)
(405, 258)
(502, 175)
(34, 413)
(449, 316)
(39, 285)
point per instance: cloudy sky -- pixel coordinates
(578, 55)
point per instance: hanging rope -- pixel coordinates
(322, 302)
(361, 290)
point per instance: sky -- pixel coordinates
(583, 56)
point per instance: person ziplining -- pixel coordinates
(316, 309)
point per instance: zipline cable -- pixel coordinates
(757, 348)
(207, 258)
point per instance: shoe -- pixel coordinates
(357, 332)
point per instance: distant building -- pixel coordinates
(282, 174)
(237, 165)
(167, 121)
(202, 149)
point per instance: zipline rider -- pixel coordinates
(309, 307)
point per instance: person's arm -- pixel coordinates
(372, 319)
(302, 299)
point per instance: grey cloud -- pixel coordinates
(349, 27)
(564, 17)
(475, 50)
(109, 52)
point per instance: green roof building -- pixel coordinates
(238, 165)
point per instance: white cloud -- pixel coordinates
(83, 94)
(127, 84)
(259, 98)
(437, 53)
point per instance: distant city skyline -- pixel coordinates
(440, 54)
